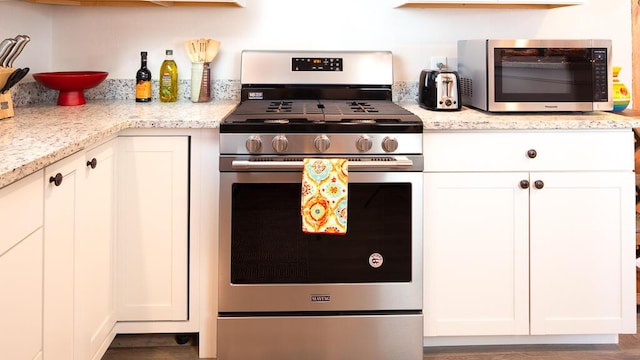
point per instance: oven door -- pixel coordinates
(267, 264)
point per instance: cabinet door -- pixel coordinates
(95, 252)
(59, 245)
(153, 181)
(21, 269)
(475, 254)
(21, 299)
(582, 253)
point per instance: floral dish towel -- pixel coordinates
(324, 196)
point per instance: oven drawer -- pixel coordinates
(541, 150)
(347, 337)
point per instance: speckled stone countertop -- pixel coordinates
(470, 119)
(39, 135)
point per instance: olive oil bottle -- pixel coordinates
(169, 79)
(143, 80)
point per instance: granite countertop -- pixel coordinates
(470, 119)
(39, 135)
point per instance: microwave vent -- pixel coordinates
(466, 87)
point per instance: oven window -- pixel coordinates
(268, 245)
(543, 74)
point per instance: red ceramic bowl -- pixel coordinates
(71, 84)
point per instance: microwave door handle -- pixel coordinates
(398, 162)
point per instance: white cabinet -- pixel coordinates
(581, 254)
(95, 311)
(65, 291)
(529, 233)
(61, 194)
(21, 269)
(153, 208)
(79, 310)
(475, 254)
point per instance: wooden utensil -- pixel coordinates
(212, 50)
(192, 52)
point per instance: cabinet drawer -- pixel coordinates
(21, 206)
(555, 150)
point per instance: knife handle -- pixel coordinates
(22, 40)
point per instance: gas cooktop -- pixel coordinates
(318, 92)
(321, 115)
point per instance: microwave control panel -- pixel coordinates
(600, 75)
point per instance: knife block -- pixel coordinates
(6, 105)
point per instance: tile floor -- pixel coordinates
(164, 347)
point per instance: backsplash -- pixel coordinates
(31, 93)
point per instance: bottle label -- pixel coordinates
(165, 80)
(143, 90)
(168, 88)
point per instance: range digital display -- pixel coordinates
(316, 64)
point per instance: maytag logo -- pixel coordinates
(255, 95)
(551, 106)
(320, 298)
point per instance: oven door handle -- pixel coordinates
(398, 162)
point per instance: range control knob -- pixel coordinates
(322, 143)
(253, 144)
(389, 144)
(364, 143)
(280, 143)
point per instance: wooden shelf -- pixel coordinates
(483, 4)
(238, 3)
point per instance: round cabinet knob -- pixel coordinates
(539, 184)
(532, 153)
(364, 143)
(280, 143)
(56, 180)
(524, 184)
(322, 143)
(253, 144)
(389, 144)
(92, 163)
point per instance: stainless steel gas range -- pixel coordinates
(286, 294)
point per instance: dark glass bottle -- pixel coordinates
(143, 80)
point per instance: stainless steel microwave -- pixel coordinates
(536, 75)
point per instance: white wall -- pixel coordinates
(111, 38)
(33, 20)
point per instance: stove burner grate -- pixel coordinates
(280, 106)
(362, 107)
